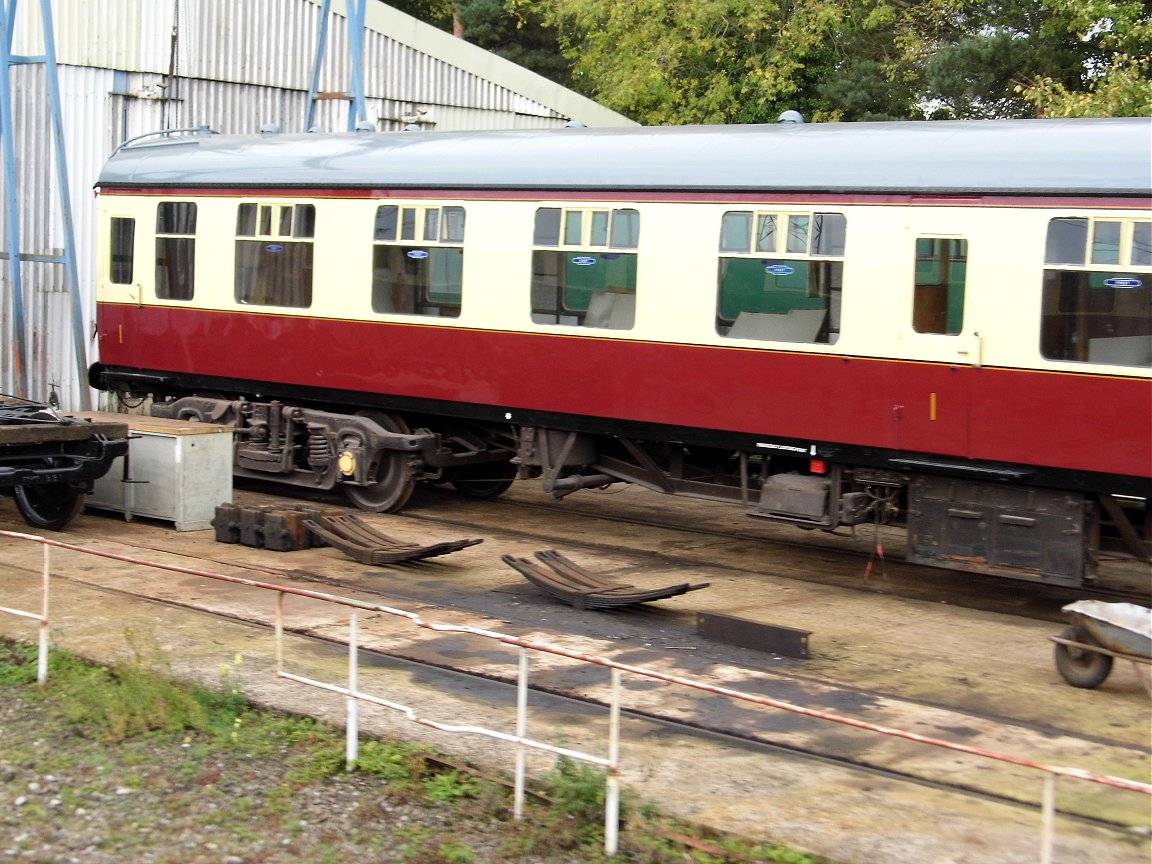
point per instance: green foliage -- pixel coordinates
(126, 699)
(519, 35)
(576, 790)
(451, 852)
(390, 760)
(115, 704)
(438, 13)
(1125, 90)
(689, 61)
(448, 787)
(18, 664)
(745, 61)
(1116, 80)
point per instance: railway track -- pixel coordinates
(851, 761)
(557, 701)
(868, 559)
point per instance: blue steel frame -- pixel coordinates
(357, 108)
(12, 202)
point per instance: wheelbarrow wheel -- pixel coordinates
(1080, 667)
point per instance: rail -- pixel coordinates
(523, 743)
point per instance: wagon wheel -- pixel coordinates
(484, 482)
(391, 477)
(50, 506)
(1079, 667)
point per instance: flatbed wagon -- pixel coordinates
(49, 462)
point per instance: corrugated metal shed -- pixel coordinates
(238, 66)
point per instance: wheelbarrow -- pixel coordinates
(1099, 634)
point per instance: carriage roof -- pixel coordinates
(989, 157)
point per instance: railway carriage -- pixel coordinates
(945, 324)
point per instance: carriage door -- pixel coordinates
(935, 390)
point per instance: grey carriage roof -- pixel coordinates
(1045, 157)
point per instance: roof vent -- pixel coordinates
(365, 126)
(791, 117)
(270, 129)
(413, 127)
(574, 124)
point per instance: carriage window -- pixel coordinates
(274, 246)
(1066, 238)
(1097, 292)
(418, 275)
(780, 276)
(584, 267)
(941, 272)
(175, 250)
(121, 246)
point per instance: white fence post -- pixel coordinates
(352, 733)
(279, 631)
(42, 655)
(521, 734)
(1048, 818)
(612, 796)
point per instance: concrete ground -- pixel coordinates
(918, 665)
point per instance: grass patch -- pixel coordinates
(202, 741)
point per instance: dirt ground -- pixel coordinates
(912, 663)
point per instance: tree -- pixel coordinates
(1117, 79)
(519, 36)
(746, 61)
(1002, 51)
(693, 61)
(706, 61)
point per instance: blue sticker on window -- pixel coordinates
(1123, 282)
(583, 260)
(273, 247)
(417, 253)
(779, 269)
(610, 256)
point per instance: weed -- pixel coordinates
(448, 787)
(18, 664)
(413, 842)
(451, 852)
(324, 758)
(576, 789)
(390, 760)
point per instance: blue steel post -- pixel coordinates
(357, 109)
(317, 62)
(12, 205)
(71, 274)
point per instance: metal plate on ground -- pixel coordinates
(787, 641)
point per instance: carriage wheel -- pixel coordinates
(392, 480)
(1079, 667)
(484, 482)
(50, 506)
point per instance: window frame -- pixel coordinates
(122, 246)
(1097, 311)
(178, 250)
(427, 240)
(926, 296)
(567, 242)
(824, 239)
(269, 228)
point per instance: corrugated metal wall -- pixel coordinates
(239, 65)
